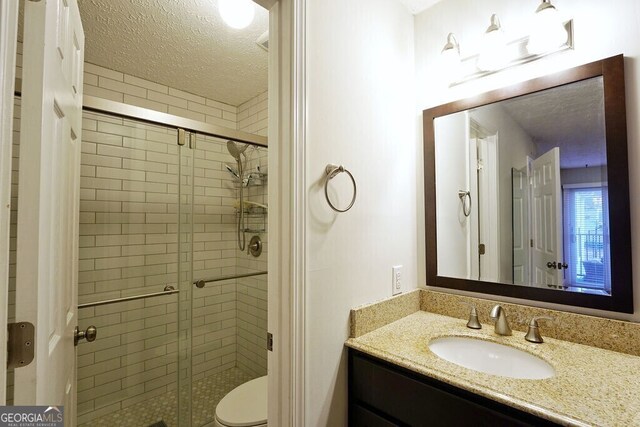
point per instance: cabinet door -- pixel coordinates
(414, 400)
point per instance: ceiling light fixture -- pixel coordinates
(548, 31)
(493, 52)
(237, 14)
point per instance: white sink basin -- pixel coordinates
(491, 358)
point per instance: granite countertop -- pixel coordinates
(592, 386)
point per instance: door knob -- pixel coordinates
(90, 334)
(551, 264)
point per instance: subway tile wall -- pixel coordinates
(252, 291)
(128, 245)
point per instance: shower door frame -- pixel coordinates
(127, 111)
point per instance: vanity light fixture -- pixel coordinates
(548, 35)
(548, 31)
(493, 54)
(237, 14)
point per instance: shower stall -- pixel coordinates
(173, 270)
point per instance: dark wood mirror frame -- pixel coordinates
(621, 299)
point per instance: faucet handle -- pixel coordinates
(533, 334)
(473, 322)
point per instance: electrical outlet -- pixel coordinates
(396, 280)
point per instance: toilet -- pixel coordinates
(244, 406)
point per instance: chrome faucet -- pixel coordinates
(500, 317)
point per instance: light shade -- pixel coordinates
(237, 13)
(493, 53)
(548, 31)
(450, 56)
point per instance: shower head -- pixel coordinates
(236, 150)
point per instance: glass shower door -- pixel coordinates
(229, 312)
(128, 279)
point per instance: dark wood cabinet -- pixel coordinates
(382, 394)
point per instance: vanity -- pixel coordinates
(395, 379)
(526, 196)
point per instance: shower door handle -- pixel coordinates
(90, 334)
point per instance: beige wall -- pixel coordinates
(359, 112)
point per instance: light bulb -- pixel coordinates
(493, 55)
(548, 31)
(237, 13)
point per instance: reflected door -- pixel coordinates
(521, 240)
(547, 224)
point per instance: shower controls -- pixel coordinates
(255, 246)
(396, 280)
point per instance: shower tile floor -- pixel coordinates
(206, 394)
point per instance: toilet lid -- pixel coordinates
(245, 405)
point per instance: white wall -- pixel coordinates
(601, 29)
(583, 175)
(360, 110)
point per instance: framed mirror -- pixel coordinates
(527, 190)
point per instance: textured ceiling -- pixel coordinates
(417, 6)
(179, 43)
(570, 117)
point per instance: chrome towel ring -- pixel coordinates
(332, 171)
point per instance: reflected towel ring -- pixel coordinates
(332, 171)
(463, 198)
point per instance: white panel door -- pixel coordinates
(547, 219)
(48, 204)
(520, 209)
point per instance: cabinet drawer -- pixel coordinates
(360, 416)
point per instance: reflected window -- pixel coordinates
(586, 239)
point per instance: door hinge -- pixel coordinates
(20, 344)
(531, 243)
(182, 136)
(269, 341)
(481, 249)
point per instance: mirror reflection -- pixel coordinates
(521, 191)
